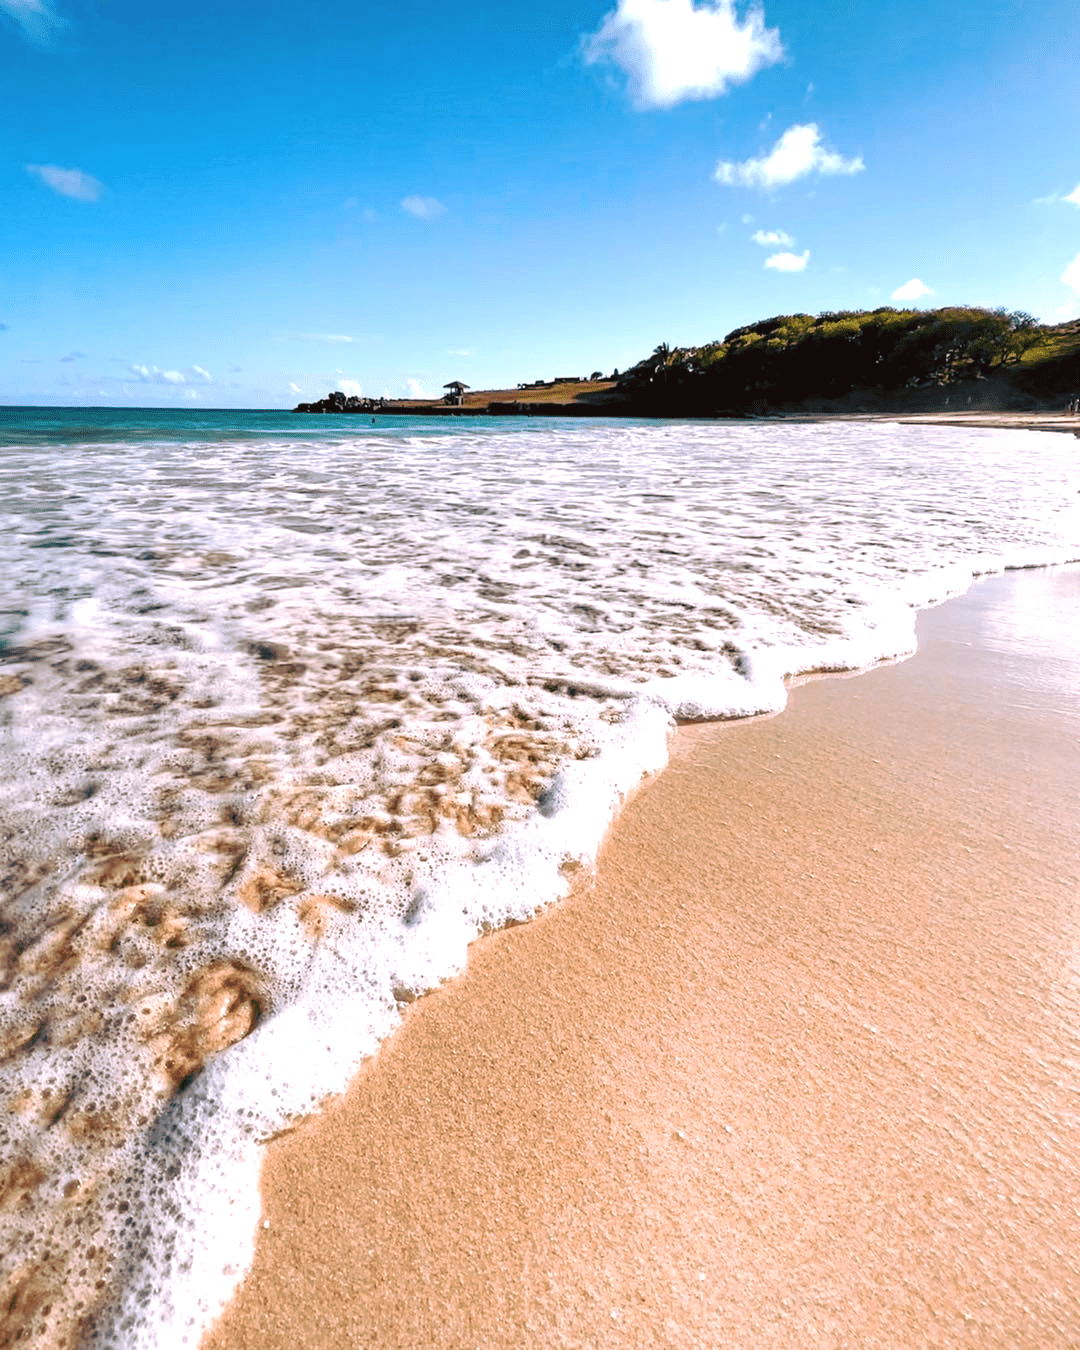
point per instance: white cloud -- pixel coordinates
(911, 290)
(144, 372)
(1071, 275)
(415, 389)
(204, 373)
(1073, 196)
(772, 238)
(328, 337)
(423, 208)
(68, 182)
(673, 50)
(798, 152)
(294, 387)
(788, 262)
(349, 387)
(459, 351)
(36, 19)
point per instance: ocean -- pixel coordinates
(292, 709)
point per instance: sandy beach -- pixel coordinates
(798, 1067)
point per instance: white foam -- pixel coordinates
(405, 681)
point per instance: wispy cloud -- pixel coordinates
(294, 387)
(367, 214)
(155, 375)
(674, 50)
(72, 356)
(327, 337)
(68, 182)
(789, 262)
(459, 351)
(1071, 275)
(415, 389)
(911, 290)
(1052, 198)
(772, 238)
(35, 19)
(423, 208)
(797, 153)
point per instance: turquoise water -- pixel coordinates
(53, 426)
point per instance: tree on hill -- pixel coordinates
(794, 357)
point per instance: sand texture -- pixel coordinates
(799, 1067)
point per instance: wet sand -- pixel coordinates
(798, 1068)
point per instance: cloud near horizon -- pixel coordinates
(797, 153)
(789, 262)
(415, 388)
(911, 290)
(154, 375)
(1071, 275)
(35, 19)
(83, 187)
(423, 208)
(674, 50)
(327, 337)
(350, 387)
(772, 238)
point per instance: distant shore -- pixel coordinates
(496, 403)
(968, 365)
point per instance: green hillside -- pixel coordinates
(917, 358)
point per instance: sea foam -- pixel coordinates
(286, 725)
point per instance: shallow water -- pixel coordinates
(289, 712)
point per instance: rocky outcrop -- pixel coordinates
(337, 402)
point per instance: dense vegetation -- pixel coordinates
(800, 358)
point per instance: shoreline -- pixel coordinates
(1004, 420)
(624, 1123)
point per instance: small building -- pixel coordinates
(455, 394)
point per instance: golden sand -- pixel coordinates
(798, 1068)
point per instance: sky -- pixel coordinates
(243, 204)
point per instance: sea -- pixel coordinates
(293, 709)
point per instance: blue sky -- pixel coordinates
(239, 204)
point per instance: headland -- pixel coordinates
(964, 365)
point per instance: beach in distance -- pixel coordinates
(796, 1067)
(294, 710)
